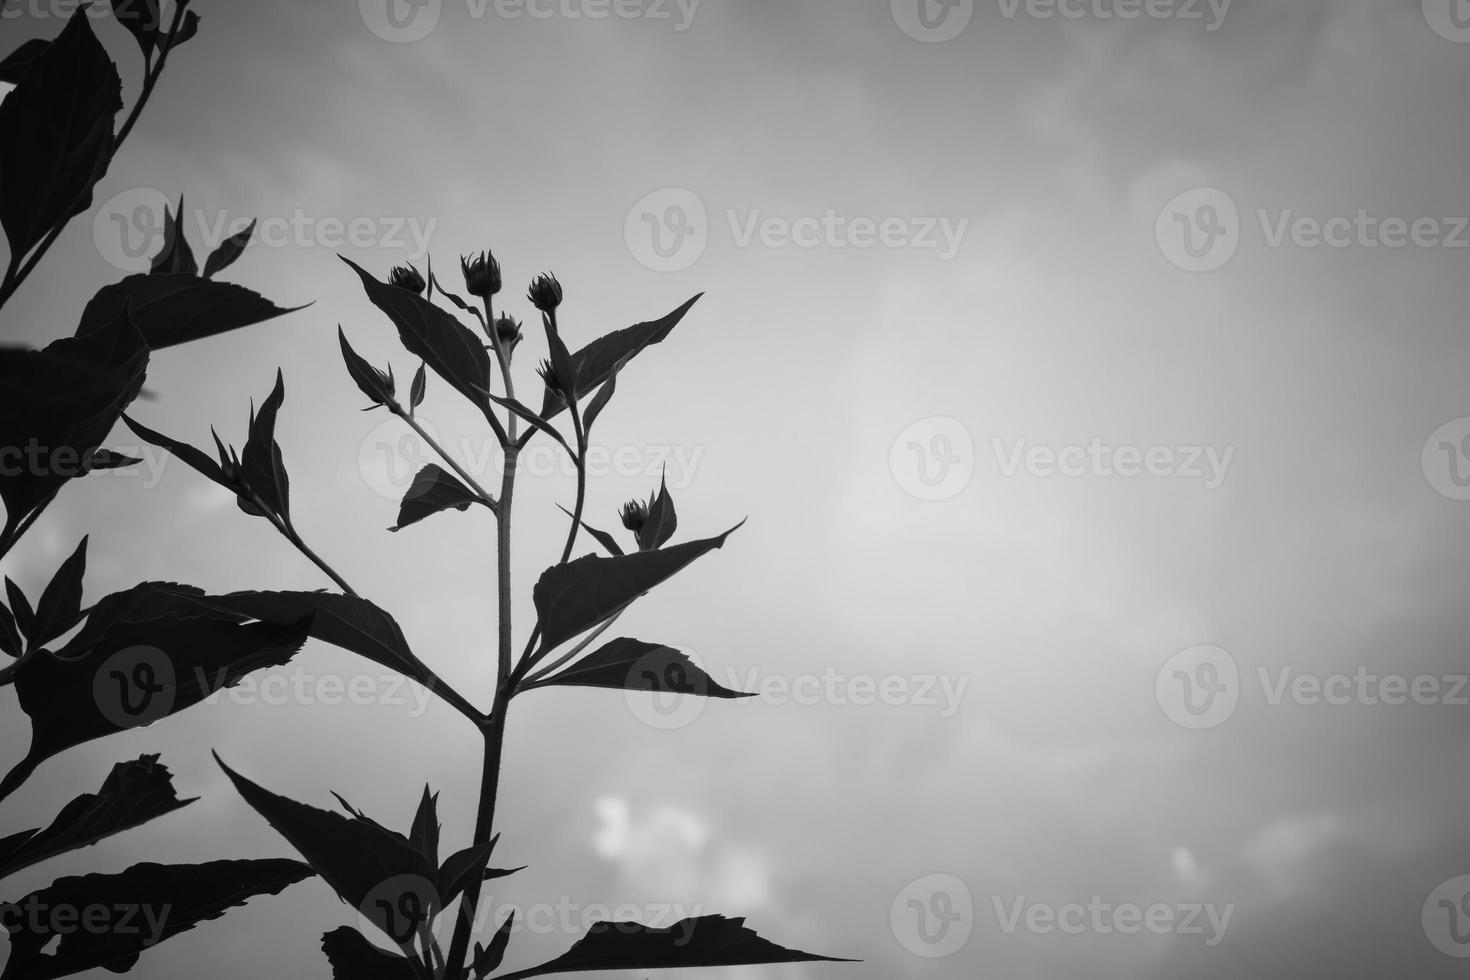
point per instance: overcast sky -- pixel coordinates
(1044, 401)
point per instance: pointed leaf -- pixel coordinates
(261, 467)
(708, 940)
(60, 604)
(487, 960)
(603, 538)
(187, 29)
(25, 616)
(141, 18)
(352, 957)
(661, 522)
(461, 868)
(65, 104)
(536, 421)
(370, 868)
(133, 794)
(130, 673)
(424, 834)
(599, 401)
(143, 906)
(15, 64)
(10, 639)
(433, 336)
(633, 665)
(176, 309)
(433, 490)
(228, 251)
(176, 257)
(369, 380)
(575, 597)
(194, 458)
(599, 359)
(111, 459)
(419, 389)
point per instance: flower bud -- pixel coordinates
(548, 377)
(545, 293)
(635, 515)
(407, 277)
(508, 333)
(481, 274)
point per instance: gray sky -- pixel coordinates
(803, 164)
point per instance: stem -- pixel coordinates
(290, 532)
(537, 678)
(459, 471)
(484, 822)
(16, 272)
(12, 535)
(581, 461)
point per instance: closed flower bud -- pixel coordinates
(481, 274)
(548, 377)
(508, 333)
(635, 515)
(545, 293)
(407, 277)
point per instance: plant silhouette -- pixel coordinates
(84, 672)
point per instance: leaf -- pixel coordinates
(60, 605)
(459, 870)
(599, 401)
(10, 640)
(661, 523)
(369, 380)
(126, 914)
(176, 257)
(187, 29)
(536, 422)
(433, 336)
(633, 665)
(262, 468)
(133, 794)
(375, 870)
(487, 958)
(59, 404)
(110, 459)
(15, 64)
(598, 360)
(65, 104)
(141, 18)
(708, 940)
(603, 538)
(575, 597)
(131, 672)
(433, 491)
(228, 251)
(352, 957)
(419, 389)
(424, 834)
(196, 459)
(176, 309)
(25, 616)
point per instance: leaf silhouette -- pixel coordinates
(661, 523)
(175, 309)
(228, 251)
(15, 64)
(60, 605)
(708, 940)
(176, 257)
(634, 665)
(133, 794)
(600, 359)
(575, 597)
(136, 672)
(371, 868)
(141, 18)
(25, 616)
(433, 490)
(352, 957)
(128, 913)
(60, 403)
(603, 538)
(487, 958)
(261, 467)
(458, 870)
(375, 384)
(196, 460)
(65, 104)
(433, 336)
